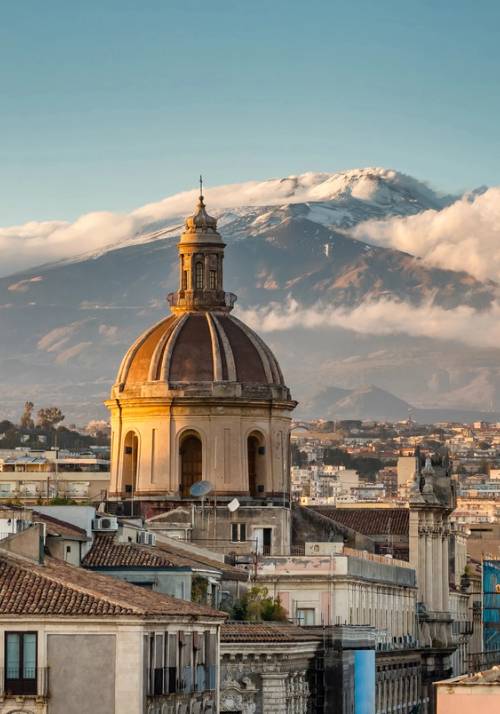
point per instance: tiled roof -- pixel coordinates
(55, 527)
(229, 572)
(264, 632)
(107, 552)
(370, 521)
(55, 588)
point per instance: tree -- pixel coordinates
(257, 605)
(49, 417)
(6, 426)
(27, 416)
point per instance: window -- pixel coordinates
(306, 615)
(184, 279)
(213, 279)
(238, 532)
(199, 276)
(20, 663)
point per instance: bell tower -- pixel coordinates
(201, 260)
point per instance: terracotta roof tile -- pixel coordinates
(370, 521)
(264, 632)
(55, 527)
(229, 572)
(55, 588)
(107, 552)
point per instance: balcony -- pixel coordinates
(34, 682)
(166, 681)
(189, 299)
(462, 627)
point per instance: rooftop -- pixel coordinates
(107, 552)
(57, 589)
(55, 527)
(265, 632)
(370, 521)
(488, 677)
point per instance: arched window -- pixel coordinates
(191, 453)
(130, 462)
(198, 276)
(256, 454)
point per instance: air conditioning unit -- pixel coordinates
(109, 523)
(146, 538)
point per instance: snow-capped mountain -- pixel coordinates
(66, 324)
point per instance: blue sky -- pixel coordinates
(113, 103)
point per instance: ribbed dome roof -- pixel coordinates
(193, 348)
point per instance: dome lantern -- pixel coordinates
(201, 257)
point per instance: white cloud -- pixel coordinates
(72, 352)
(35, 243)
(22, 286)
(386, 317)
(463, 236)
(59, 336)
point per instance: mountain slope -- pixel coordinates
(65, 325)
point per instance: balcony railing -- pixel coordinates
(478, 661)
(30, 682)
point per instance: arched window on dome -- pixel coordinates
(198, 276)
(130, 463)
(256, 456)
(191, 466)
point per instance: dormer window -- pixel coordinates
(198, 276)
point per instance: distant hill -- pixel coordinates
(370, 402)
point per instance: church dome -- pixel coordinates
(200, 347)
(200, 397)
(197, 348)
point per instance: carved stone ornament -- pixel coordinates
(232, 700)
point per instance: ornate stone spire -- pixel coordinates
(201, 256)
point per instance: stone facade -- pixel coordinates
(264, 678)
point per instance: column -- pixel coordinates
(428, 569)
(439, 567)
(421, 564)
(445, 571)
(274, 692)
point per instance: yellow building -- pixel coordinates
(199, 396)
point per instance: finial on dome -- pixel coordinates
(201, 221)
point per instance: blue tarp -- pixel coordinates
(491, 605)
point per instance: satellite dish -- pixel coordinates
(200, 489)
(233, 505)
